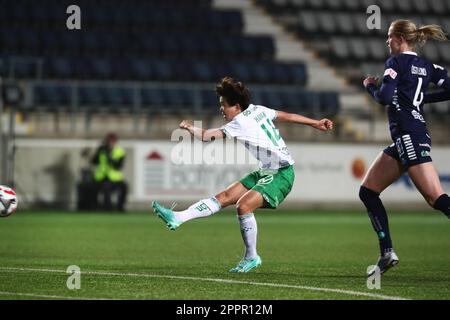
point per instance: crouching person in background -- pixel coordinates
(109, 160)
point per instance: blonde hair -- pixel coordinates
(417, 36)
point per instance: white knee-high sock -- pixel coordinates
(249, 231)
(200, 209)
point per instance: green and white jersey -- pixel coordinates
(254, 128)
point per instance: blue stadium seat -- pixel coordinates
(176, 98)
(240, 70)
(101, 68)
(162, 70)
(29, 41)
(260, 72)
(25, 68)
(329, 104)
(265, 47)
(279, 73)
(209, 101)
(272, 99)
(312, 103)
(116, 97)
(202, 71)
(70, 43)
(58, 67)
(292, 102)
(90, 96)
(3, 67)
(52, 96)
(140, 69)
(152, 98)
(297, 74)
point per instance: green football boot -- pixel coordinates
(247, 264)
(166, 215)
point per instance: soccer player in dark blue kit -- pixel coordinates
(402, 91)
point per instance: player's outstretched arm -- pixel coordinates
(200, 133)
(323, 124)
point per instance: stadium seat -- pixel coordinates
(162, 70)
(437, 6)
(117, 97)
(444, 49)
(358, 49)
(297, 74)
(152, 97)
(351, 5)
(308, 22)
(90, 96)
(140, 69)
(339, 48)
(431, 51)
(3, 67)
(327, 22)
(344, 23)
(329, 104)
(201, 71)
(52, 96)
(377, 49)
(101, 68)
(420, 6)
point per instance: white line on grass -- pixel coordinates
(267, 284)
(34, 295)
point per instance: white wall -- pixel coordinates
(326, 174)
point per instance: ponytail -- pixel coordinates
(417, 36)
(431, 31)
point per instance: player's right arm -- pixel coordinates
(442, 80)
(200, 133)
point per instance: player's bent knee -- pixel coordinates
(442, 203)
(224, 198)
(366, 194)
(242, 208)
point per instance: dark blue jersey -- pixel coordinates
(405, 81)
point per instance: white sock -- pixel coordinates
(200, 209)
(249, 231)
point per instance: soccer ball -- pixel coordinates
(8, 201)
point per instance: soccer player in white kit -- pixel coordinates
(267, 187)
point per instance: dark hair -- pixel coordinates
(111, 137)
(233, 92)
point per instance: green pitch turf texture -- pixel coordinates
(306, 255)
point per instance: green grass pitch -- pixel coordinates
(306, 255)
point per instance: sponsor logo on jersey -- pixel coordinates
(424, 145)
(390, 72)
(417, 116)
(425, 153)
(266, 180)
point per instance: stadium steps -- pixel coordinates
(288, 48)
(321, 76)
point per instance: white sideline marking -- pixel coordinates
(4, 293)
(267, 284)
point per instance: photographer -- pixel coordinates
(109, 159)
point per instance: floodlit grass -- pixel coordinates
(134, 256)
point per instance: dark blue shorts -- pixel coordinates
(410, 149)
